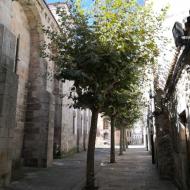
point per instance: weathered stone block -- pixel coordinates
(3, 71)
(165, 157)
(8, 91)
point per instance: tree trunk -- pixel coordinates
(124, 139)
(90, 177)
(120, 143)
(78, 139)
(84, 140)
(112, 151)
(152, 147)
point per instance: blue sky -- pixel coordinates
(87, 2)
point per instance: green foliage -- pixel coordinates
(107, 56)
(104, 52)
(129, 113)
(132, 31)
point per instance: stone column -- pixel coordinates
(58, 119)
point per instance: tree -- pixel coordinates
(133, 36)
(125, 121)
(101, 55)
(128, 113)
(118, 103)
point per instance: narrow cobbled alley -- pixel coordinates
(94, 95)
(133, 171)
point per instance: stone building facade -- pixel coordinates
(75, 123)
(168, 118)
(103, 138)
(167, 111)
(34, 116)
(172, 124)
(134, 136)
(177, 99)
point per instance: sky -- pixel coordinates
(87, 3)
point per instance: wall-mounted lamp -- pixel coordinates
(181, 35)
(178, 33)
(151, 95)
(183, 117)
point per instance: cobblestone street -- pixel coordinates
(133, 171)
(94, 77)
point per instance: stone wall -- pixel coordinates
(173, 124)
(58, 119)
(72, 135)
(75, 124)
(30, 134)
(8, 94)
(179, 104)
(20, 27)
(34, 111)
(164, 152)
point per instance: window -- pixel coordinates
(82, 124)
(106, 136)
(16, 54)
(74, 122)
(105, 123)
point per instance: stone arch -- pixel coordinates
(33, 15)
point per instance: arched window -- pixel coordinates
(105, 123)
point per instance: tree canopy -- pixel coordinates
(101, 56)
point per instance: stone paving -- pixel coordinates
(133, 171)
